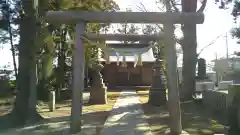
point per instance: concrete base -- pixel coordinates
(98, 95)
(157, 97)
(168, 132)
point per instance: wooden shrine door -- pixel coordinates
(122, 76)
(135, 76)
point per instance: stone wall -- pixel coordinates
(225, 103)
(216, 101)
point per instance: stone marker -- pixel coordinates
(51, 102)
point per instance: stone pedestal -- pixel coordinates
(157, 92)
(98, 91)
(51, 102)
(98, 95)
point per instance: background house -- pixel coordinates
(225, 66)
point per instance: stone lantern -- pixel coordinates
(98, 90)
(157, 92)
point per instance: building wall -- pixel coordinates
(147, 72)
(127, 76)
(224, 67)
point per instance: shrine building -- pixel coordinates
(128, 68)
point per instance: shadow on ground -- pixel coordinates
(93, 124)
(60, 125)
(57, 122)
(195, 120)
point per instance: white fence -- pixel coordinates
(223, 85)
(203, 86)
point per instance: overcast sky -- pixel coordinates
(217, 22)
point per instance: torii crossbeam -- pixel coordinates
(124, 37)
(122, 45)
(83, 17)
(124, 17)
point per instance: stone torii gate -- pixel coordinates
(165, 18)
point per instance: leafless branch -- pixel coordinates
(157, 4)
(143, 6)
(211, 43)
(144, 9)
(203, 6)
(174, 5)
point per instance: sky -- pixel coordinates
(217, 22)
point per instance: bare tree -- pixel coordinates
(188, 42)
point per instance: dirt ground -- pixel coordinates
(55, 123)
(195, 118)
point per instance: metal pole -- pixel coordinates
(78, 80)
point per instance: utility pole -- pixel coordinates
(216, 69)
(226, 45)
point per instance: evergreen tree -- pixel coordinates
(38, 43)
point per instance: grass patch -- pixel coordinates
(143, 94)
(195, 119)
(6, 104)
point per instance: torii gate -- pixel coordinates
(165, 18)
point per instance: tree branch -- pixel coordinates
(174, 5)
(158, 6)
(204, 3)
(143, 9)
(211, 43)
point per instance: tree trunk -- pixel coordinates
(32, 101)
(12, 48)
(47, 69)
(60, 74)
(22, 112)
(188, 72)
(189, 47)
(61, 64)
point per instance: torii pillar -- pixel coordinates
(78, 79)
